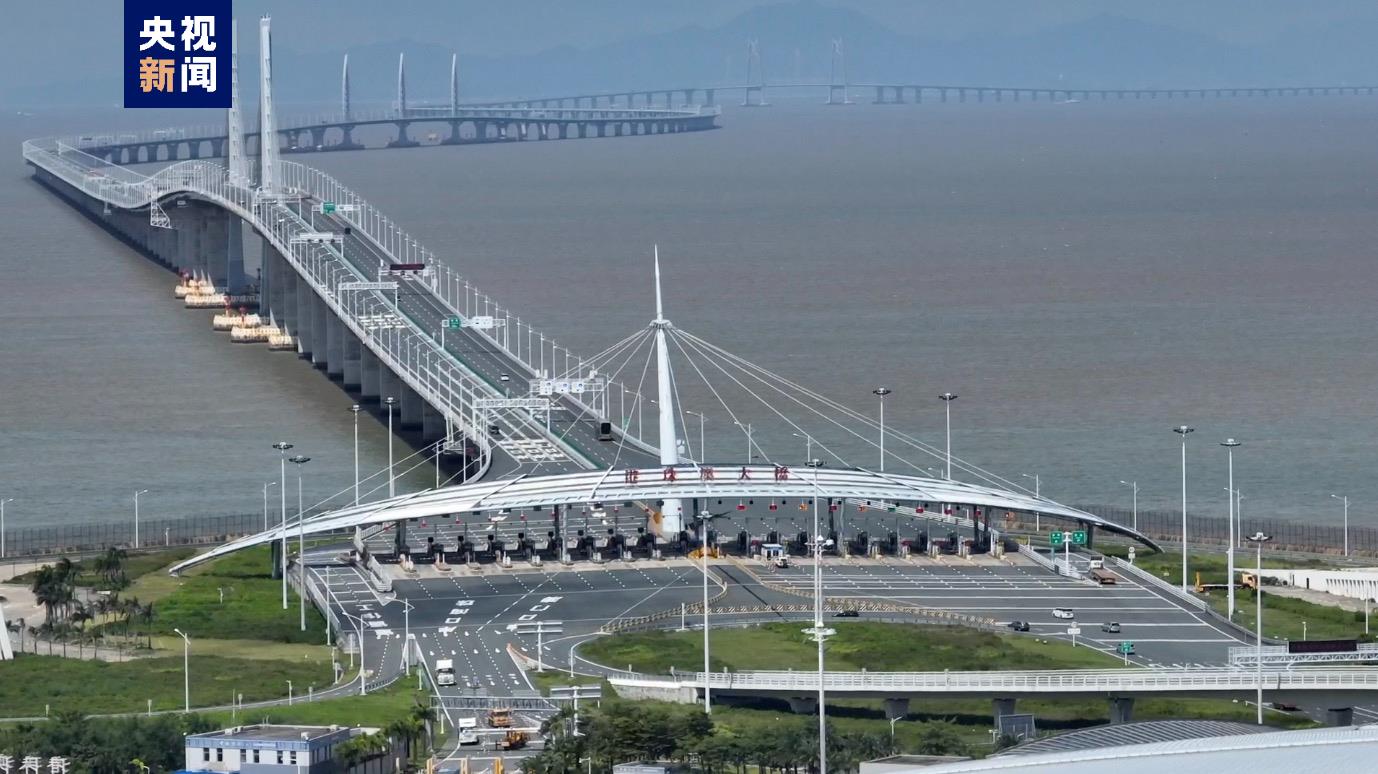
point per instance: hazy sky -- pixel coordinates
(33, 30)
(69, 43)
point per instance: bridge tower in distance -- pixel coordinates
(672, 512)
(234, 119)
(837, 77)
(267, 130)
(756, 89)
(344, 89)
(401, 85)
(454, 84)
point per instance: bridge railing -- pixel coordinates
(410, 355)
(1152, 580)
(462, 297)
(1033, 681)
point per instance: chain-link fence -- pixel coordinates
(91, 537)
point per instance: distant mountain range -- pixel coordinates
(795, 40)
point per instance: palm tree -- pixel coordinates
(423, 715)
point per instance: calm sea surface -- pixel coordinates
(1085, 276)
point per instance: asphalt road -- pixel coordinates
(523, 442)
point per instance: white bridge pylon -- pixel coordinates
(648, 486)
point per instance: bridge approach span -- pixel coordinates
(1057, 682)
(712, 487)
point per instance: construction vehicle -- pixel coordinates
(500, 717)
(512, 740)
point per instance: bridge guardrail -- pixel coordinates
(1152, 680)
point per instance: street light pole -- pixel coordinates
(266, 485)
(1230, 444)
(186, 670)
(947, 399)
(1038, 494)
(390, 402)
(355, 409)
(282, 447)
(1135, 486)
(881, 392)
(703, 558)
(819, 632)
(1345, 498)
(2, 524)
(749, 446)
(136, 516)
(299, 460)
(703, 453)
(1258, 540)
(1182, 430)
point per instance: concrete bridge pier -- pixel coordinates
(303, 320)
(353, 376)
(1121, 709)
(403, 141)
(389, 386)
(896, 708)
(334, 344)
(432, 423)
(370, 375)
(411, 408)
(803, 705)
(320, 327)
(708, 97)
(453, 138)
(236, 279)
(1003, 706)
(347, 141)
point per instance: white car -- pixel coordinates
(505, 377)
(1063, 612)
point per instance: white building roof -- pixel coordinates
(1320, 750)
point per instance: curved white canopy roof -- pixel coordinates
(685, 482)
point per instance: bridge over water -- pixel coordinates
(364, 301)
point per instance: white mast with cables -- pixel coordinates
(672, 512)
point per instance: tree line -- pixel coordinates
(621, 731)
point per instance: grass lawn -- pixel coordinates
(136, 566)
(376, 709)
(252, 607)
(29, 683)
(861, 645)
(1283, 617)
(544, 681)
(1211, 566)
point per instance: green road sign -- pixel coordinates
(328, 208)
(1079, 537)
(1057, 538)
(454, 323)
(1126, 647)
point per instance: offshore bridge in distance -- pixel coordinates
(365, 302)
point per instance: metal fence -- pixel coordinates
(93, 537)
(1166, 525)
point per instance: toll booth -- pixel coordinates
(772, 551)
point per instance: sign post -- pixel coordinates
(1074, 630)
(1125, 649)
(452, 323)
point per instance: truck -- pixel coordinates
(1102, 576)
(467, 729)
(444, 671)
(512, 740)
(500, 717)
